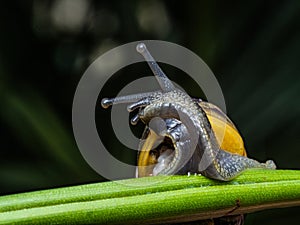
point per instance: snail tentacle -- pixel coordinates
(164, 82)
(106, 102)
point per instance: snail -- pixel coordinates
(184, 135)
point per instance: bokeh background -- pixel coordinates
(253, 48)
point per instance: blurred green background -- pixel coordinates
(253, 48)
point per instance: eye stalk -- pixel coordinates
(164, 82)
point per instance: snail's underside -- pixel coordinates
(156, 153)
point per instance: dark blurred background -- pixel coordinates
(253, 48)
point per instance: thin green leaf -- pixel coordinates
(154, 199)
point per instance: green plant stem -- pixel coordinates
(154, 199)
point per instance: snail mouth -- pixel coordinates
(154, 158)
